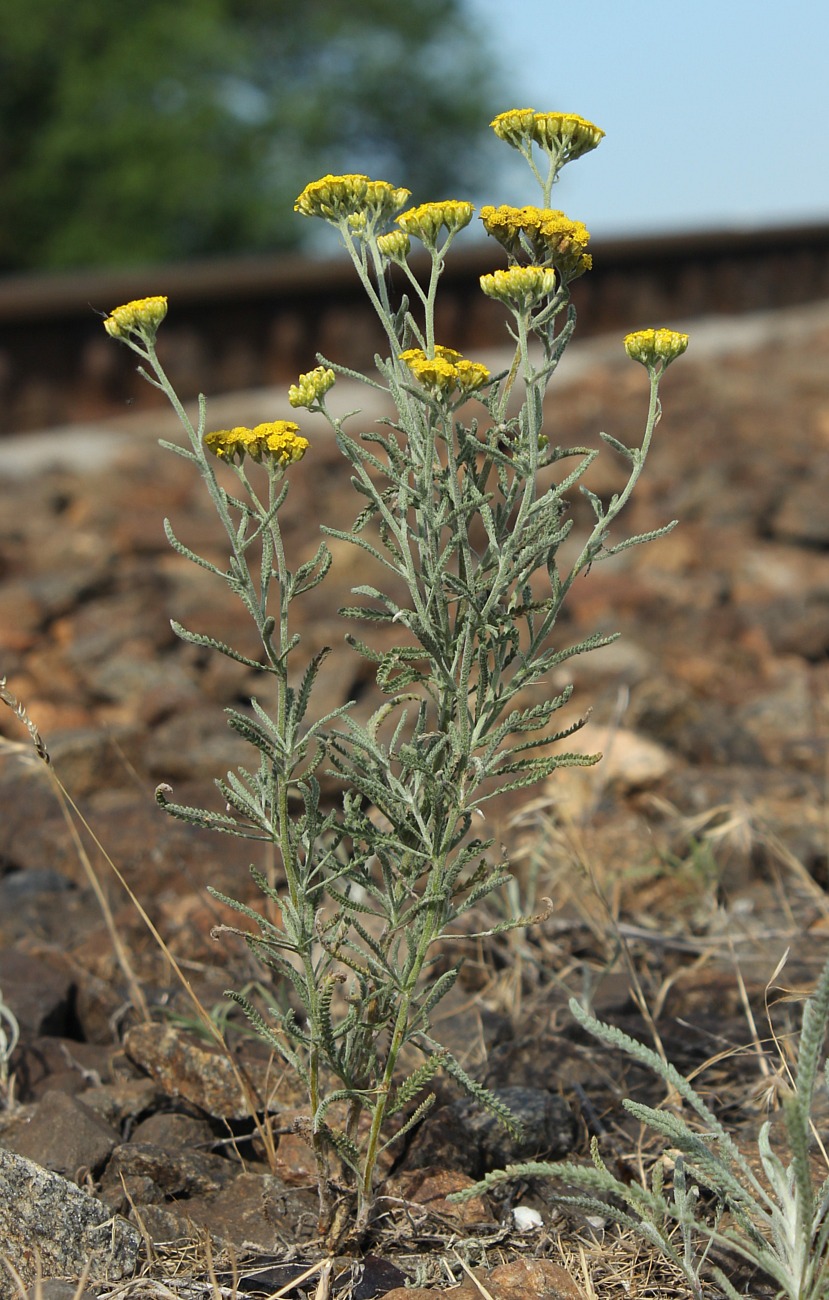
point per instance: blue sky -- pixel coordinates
(717, 114)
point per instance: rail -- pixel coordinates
(252, 322)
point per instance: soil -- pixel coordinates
(687, 871)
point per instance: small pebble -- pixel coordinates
(526, 1219)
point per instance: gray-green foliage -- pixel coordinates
(463, 520)
(778, 1222)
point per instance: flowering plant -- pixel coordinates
(462, 520)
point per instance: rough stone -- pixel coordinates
(541, 1279)
(53, 1288)
(45, 1220)
(37, 990)
(123, 1100)
(430, 1293)
(801, 516)
(250, 1213)
(64, 1064)
(464, 1136)
(294, 1161)
(144, 1173)
(431, 1186)
(64, 1135)
(174, 1131)
(199, 1072)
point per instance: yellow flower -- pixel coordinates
(282, 442)
(434, 373)
(515, 126)
(550, 237)
(471, 375)
(228, 444)
(142, 316)
(395, 245)
(565, 136)
(426, 220)
(447, 354)
(340, 198)
(277, 442)
(655, 347)
(520, 287)
(311, 387)
(445, 371)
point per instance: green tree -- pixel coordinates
(145, 131)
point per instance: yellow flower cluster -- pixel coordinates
(340, 198)
(652, 347)
(278, 442)
(395, 245)
(550, 237)
(564, 135)
(520, 287)
(427, 220)
(142, 316)
(445, 371)
(311, 387)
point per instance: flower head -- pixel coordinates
(229, 444)
(471, 375)
(426, 220)
(282, 442)
(515, 126)
(142, 317)
(445, 371)
(311, 387)
(395, 245)
(277, 443)
(655, 348)
(548, 236)
(520, 287)
(564, 136)
(342, 198)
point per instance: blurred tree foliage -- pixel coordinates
(146, 130)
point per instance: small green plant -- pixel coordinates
(461, 522)
(780, 1225)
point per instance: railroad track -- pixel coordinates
(251, 322)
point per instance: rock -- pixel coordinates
(38, 991)
(21, 617)
(101, 1004)
(430, 1293)
(52, 1288)
(430, 1187)
(174, 1131)
(801, 516)
(251, 1213)
(372, 1278)
(531, 1279)
(199, 1072)
(144, 1173)
(63, 1135)
(18, 886)
(629, 762)
(124, 1099)
(294, 1162)
(523, 1279)
(195, 744)
(464, 1136)
(46, 1219)
(61, 1064)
